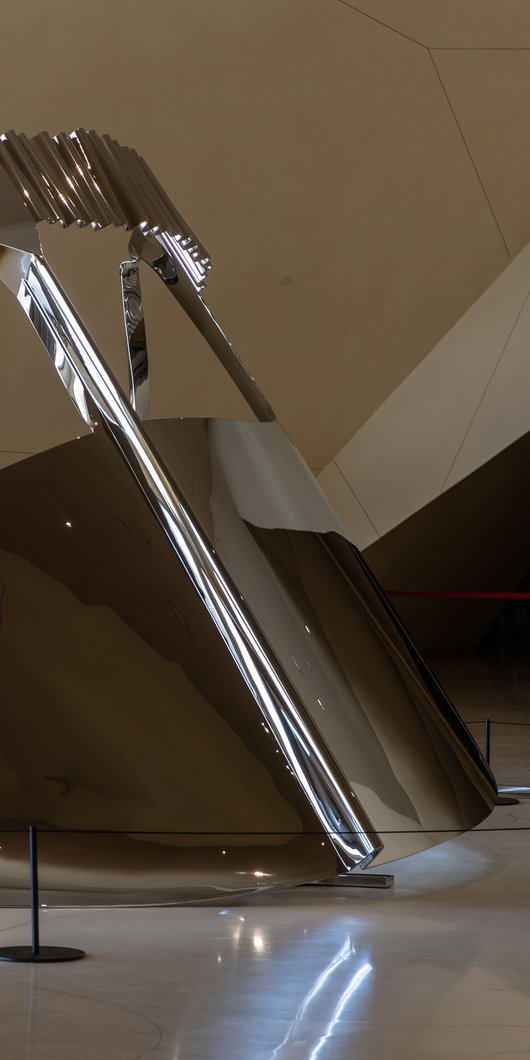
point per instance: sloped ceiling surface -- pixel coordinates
(465, 402)
(453, 23)
(343, 176)
(489, 90)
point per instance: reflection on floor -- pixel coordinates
(437, 967)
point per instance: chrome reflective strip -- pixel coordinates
(135, 337)
(80, 366)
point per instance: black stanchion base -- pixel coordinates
(46, 954)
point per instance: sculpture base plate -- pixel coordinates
(382, 880)
(45, 954)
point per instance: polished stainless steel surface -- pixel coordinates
(159, 250)
(213, 656)
(394, 733)
(135, 337)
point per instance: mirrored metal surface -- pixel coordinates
(123, 709)
(395, 735)
(135, 337)
(193, 645)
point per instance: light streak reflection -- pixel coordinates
(346, 953)
(350, 989)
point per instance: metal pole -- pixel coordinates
(487, 740)
(34, 953)
(34, 875)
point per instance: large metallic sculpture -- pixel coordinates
(190, 646)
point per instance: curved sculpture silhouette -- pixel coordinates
(190, 645)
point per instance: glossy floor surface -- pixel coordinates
(437, 967)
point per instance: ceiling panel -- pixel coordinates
(466, 401)
(339, 492)
(503, 415)
(490, 94)
(455, 23)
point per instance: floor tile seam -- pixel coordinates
(37, 988)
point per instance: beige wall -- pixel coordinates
(465, 402)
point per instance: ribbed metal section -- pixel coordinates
(88, 179)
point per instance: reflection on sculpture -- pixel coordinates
(192, 642)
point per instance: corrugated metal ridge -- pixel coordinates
(88, 179)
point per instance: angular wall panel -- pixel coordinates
(462, 405)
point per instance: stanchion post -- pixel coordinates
(34, 876)
(37, 954)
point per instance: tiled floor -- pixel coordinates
(437, 967)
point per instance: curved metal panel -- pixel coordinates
(122, 709)
(192, 644)
(394, 733)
